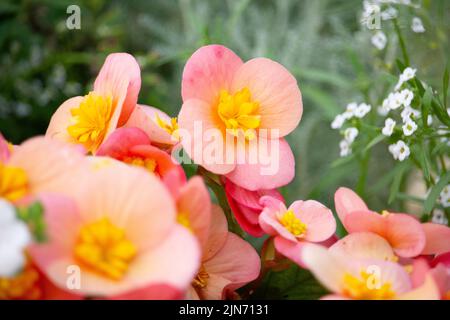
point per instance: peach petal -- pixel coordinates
(120, 142)
(405, 234)
(5, 153)
(209, 70)
(437, 238)
(61, 120)
(218, 233)
(427, 291)
(318, 219)
(291, 250)
(276, 90)
(346, 201)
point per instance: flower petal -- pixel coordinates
(346, 201)
(437, 238)
(61, 120)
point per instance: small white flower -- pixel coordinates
(409, 113)
(406, 75)
(14, 237)
(395, 100)
(448, 111)
(338, 122)
(389, 13)
(439, 217)
(345, 148)
(409, 128)
(379, 40)
(350, 134)
(389, 126)
(430, 120)
(406, 97)
(351, 107)
(362, 110)
(417, 25)
(383, 110)
(400, 151)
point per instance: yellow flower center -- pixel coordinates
(367, 287)
(183, 219)
(293, 224)
(171, 127)
(201, 280)
(239, 113)
(23, 286)
(90, 120)
(13, 182)
(148, 164)
(104, 248)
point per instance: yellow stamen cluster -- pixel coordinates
(90, 120)
(103, 248)
(183, 219)
(171, 127)
(149, 164)
(239, 113)
(363, 288)
(23, 286)
(293, 224)
(13, 182)
(201, 280)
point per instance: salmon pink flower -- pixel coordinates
(348, 277)
(403, 232)
(89, 120)
(132, 146)
(234, 111)
(160, 128)
(293, 227)
(437, 239)
(38, 165)
(246, 206)
(120, 230)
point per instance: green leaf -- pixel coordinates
(424, 160)
(33, 216)
(322, 100)
(395, 186)
(430, 202)
(374, 142)
(445, 84)
(292, 284)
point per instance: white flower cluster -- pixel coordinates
(353, 110)
(439, 217)
(417, 25)
(379, 40)
(399, 150)
(14, 237)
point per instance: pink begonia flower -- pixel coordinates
(89, 120)
(403, 232)
(246, 206)
(228, 262)
(236, 113)
(440, 272)
(348, 277)
(133, 146)
(118, 235)
(160, 128)
(293, 227)
(437, 238)
(37, 165)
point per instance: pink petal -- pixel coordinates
(346, 201)
(119, 143)
(237, 262)
(318, 219)
(364, 221)
(4, 149)
(437, 238)
(270, 224)
(291, 250)
(194, 201)
(196, 121)
(427, 291)
(120, 76)
(152, 292)
(267, 164)
(144, 118)
(218, 233)
(405, 234)
(364, 245)
(60, 121)
(276, 90)
(419, 272)
(209, 70)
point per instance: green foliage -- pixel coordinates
(33, 216)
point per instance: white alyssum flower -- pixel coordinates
(417, 25)
(389, 125)
(346, 150)
(338, 122)
(362, 110)
(409, 113)
(14, 237)
(400, 150)
(407, 74)
(409, 128)
(383, 110)
(350, 134)
(429, 120)
(439, 217)
(389, 13)
(379, 40)
(444, 196)
(406, 97)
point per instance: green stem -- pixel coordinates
(402, 42)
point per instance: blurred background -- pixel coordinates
(322, 42)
